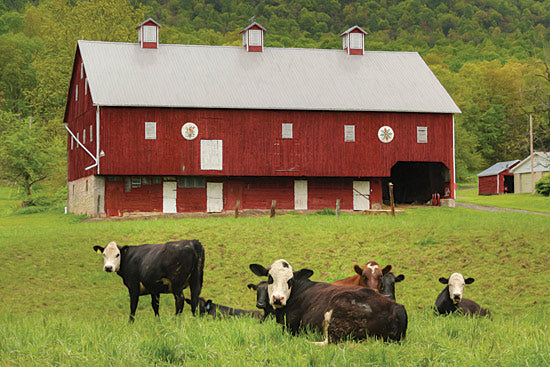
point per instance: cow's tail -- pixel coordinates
(197, 274)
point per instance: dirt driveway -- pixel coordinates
(497, 209)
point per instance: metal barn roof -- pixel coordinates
(497, 168)
(123, 74)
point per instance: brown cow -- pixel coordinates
(370, 276)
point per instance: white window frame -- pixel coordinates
(149, 34)
(150, 130)
(422, 134)
(349, 133)
(287, 130)
(254, 37)
(355, 41)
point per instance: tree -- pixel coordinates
(25, 156)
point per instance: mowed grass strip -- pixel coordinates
(534, 203)
(60, 308)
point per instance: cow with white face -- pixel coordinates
(280, 279)
(111, 258)
(451, 298)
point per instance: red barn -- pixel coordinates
(180, 128)
(497, 179)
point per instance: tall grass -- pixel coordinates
(59, 308)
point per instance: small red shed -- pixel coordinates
(195, 128)
(497, 179)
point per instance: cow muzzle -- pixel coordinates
(457, 298)
(108, 268)
(278, 301)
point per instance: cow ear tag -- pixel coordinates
(98, 251)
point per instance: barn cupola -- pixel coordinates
(148, 34)
(253, 37)
(353, 40)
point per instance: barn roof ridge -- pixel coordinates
(227, 77)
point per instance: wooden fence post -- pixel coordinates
(337, 207)
(391, 199)
(273, 205)
(237, 208)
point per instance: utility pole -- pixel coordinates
(531, 147)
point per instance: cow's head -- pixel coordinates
(280, 280)
(456, 286)
(262, 298)
(112, 253)
(371, 275)
(387, 287)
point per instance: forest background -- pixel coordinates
(492, 56)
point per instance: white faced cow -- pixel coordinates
(451, 297)
(338, 311)
(156, 269)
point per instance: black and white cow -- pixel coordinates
(338, 311)
(216, 310)
(387, 287)
(155, 269)
(450, 299)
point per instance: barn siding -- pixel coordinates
(488, 185)
(252, 143)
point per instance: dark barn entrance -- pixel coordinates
(508, 184)
(415, 182)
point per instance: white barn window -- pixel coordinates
(349, 133)
(149, 33)
(84, 136)
(255, 37)
(286, 131)
(150, 130)
(356, 41)
(421, 134)
(212, 155)
(76, 93)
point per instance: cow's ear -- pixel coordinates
(123, 249)
(399, 278)
(444, 280)
(358, 269)
(98, 249)
(258, 269)
(303, 274)
(469, 280)
(386, 270)
(252, 286)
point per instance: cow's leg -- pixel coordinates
(155, 303)
(179, 298)
(326, 324)
(134, 297)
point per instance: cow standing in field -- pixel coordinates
(337, 311)
(216, 310)
(388, 281)
(155, 269)
(450, 299)
(368, 276)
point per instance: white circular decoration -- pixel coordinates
(385, 134)
(189, 131)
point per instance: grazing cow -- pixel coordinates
(213, 309)
(388, 281)
(155, 269)
(337, 311)
(368, 276)
(450, 299)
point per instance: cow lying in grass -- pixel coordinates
(340, 312)
(215, 310)
(369, 276)
(450, 299)
(156, 269)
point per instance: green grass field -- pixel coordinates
(59, 308)
(537, 203)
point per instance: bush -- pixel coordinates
(543, 186)
(326, 211)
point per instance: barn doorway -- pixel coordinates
(508, 184)
(415, 182)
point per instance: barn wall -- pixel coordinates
(488, 185)
(86, 195)
(252, 143)
(252, 192)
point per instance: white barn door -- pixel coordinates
(169, 194)
(361, 192)
(214, 197)
(300, 194)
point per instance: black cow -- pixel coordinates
(338, 311)
(155, 269)
(262, 299)
(213, 309)
(450, 299)
(388, 281)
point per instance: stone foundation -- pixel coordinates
(448, 202)
(86, 196)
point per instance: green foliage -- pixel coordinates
(326, 211)
(543, 186)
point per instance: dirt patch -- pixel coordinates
(497, 209)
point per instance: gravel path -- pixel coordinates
(497, 209)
